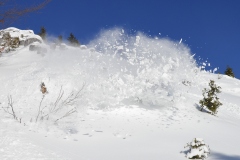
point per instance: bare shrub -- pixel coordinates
(10, 110)
(63, 105)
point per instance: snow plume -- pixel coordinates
(139, 68)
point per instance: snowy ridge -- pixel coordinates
(139, 99)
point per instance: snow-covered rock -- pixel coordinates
(11, 38)
(63, 46)
(83, 47)
(36, 46)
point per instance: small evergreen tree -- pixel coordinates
(210, 99)
(229, 72)
(73, 40)
(60, 38)
(197, 149)
(43, 33)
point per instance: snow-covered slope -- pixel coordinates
(132, 97)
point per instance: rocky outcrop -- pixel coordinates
(11, 38)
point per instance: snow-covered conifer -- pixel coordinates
(197, 149)
(210, 99)
(60, 39)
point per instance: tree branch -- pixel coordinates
(9, 13)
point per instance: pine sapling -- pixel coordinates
(197, 149)
(210, 99)
(229, 72)
(43, 33)
(73, 40)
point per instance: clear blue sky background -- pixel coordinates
(211, 28)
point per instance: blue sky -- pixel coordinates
(210, 28)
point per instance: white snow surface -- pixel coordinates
(139, 102)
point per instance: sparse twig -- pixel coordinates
(11, 112)
(67, 114)
(58, 98)
(70, 100)
(39, 108)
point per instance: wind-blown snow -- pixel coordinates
(137, 88)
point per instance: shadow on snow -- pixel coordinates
(220, 156)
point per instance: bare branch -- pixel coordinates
(39, 108)
(10, 103)
(10, 106)
(10, 13)
(60, 95)
(67, 114)
(3, 2)
(70, 99)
